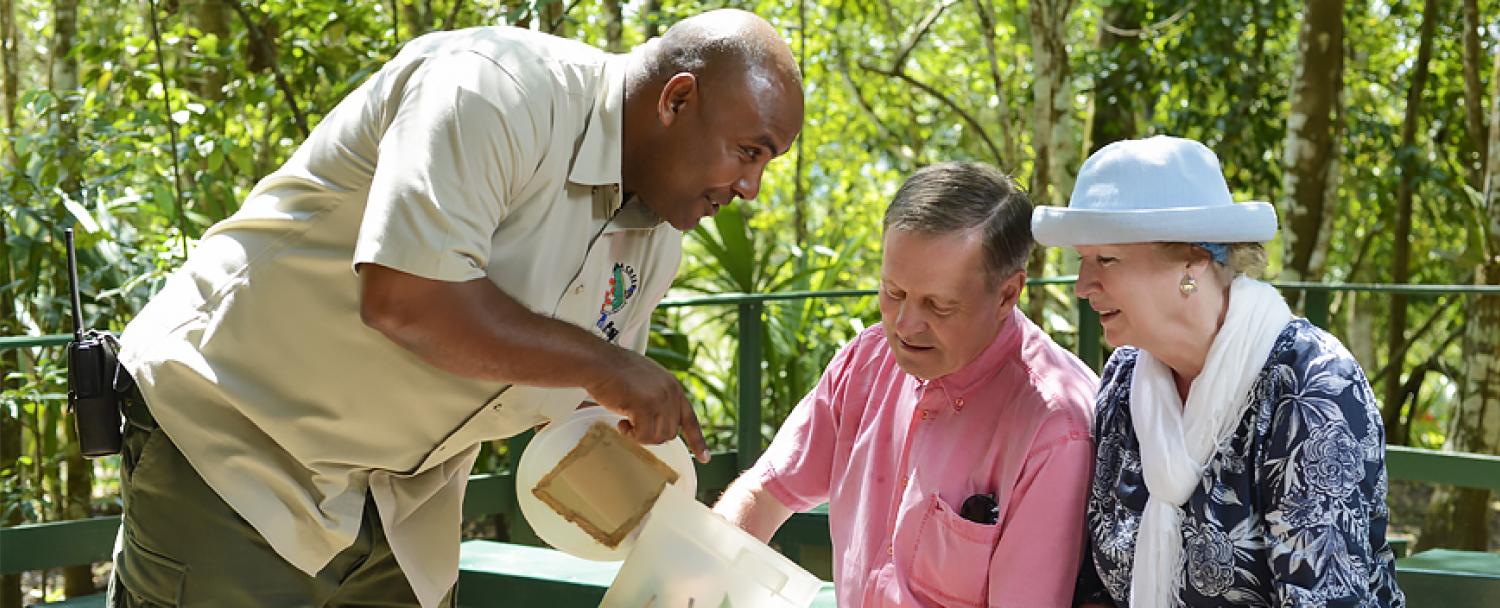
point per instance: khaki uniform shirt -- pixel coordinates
(488, 152)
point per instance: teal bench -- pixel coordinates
(491, 570)
(1452, 579)
(498, 575)
(490, 573)
(1444, 577)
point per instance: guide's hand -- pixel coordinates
(651, 399)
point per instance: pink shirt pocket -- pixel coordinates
(951, 560)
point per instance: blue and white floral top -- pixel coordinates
(1291, 511)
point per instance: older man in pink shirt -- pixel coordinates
(952, 440)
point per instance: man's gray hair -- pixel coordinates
(954, 197)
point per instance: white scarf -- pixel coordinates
(1177, 441)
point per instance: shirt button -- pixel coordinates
(958, 403)
(890, 550)
(905, 479)
(578, 290)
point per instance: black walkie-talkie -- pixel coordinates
(93, 372)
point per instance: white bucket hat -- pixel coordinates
(1161, 189)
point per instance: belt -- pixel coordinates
(133, 405)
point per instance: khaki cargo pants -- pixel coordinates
(181, 545)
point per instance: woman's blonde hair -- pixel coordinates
(1248, 259)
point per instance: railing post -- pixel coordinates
(1315, 304)
(518, 529)
(748, 425)
(1088, 335)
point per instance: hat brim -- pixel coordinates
(1248, 222)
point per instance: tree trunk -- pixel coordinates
(10, 453)
(1115, 100)
(1360, 328)
(1051, 98)
(554, 18)
(1004, 120)
(799, 191)
(77, 580)
(9, 76)
(1459, 518)
(517, 13)
(614, 27)
(1407, 161)
(1310, 157)
(210, 17)
(65, 88)
(1477, 158)
(1053, 152)
(418, 17)
(651, 18)
(10, 428)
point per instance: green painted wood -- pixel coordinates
(1316, 306)
(502, 574)
(1437, 577)
(489, 494)
(57, 544)
(1401, 544)
(1452, 579)
(88, 601)
(494, 574)
(714, 477)
(9, 342)
(724, 299)
(747, 422)
(1452, 468)
(808, 528)
(1477, 563)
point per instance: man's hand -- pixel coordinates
(651, 399)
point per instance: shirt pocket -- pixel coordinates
(951, 559)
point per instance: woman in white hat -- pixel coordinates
(1240, 451)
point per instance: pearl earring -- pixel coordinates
(1189, 285)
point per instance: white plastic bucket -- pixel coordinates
(548, 448)
(687, 556)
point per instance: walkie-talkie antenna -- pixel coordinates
(73, 286)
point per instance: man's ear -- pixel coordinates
(1010, 290)
(680, 91)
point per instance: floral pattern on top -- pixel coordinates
(1290, 511)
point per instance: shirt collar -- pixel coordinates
(597, 161)
(957, 386)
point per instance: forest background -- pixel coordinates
(1371, 124)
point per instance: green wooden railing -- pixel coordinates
(1089, 346)
(751, 315)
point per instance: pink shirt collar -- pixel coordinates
(957, 385)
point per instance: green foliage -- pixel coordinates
(883, 98)
(798, 336)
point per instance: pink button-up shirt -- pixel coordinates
(895, 458)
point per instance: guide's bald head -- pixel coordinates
(708, 105)
(726, 43)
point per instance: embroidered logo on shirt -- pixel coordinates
(623, 283)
